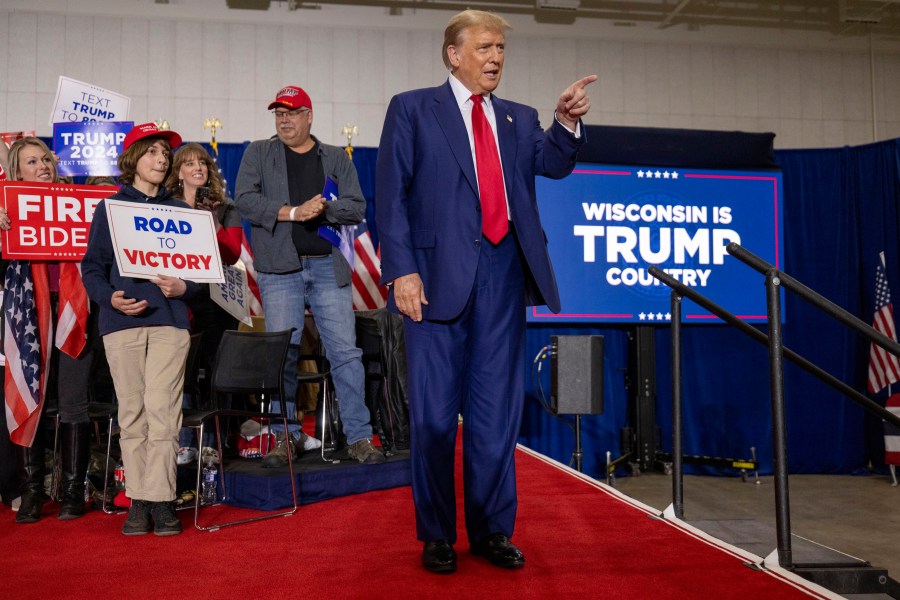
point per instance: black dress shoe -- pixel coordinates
(500, 551)
(439, 557)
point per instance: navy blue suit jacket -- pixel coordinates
(427, 207)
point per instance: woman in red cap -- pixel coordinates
(145, 328)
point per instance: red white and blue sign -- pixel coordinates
(89, 148)
(607, 225)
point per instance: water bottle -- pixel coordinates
(210, 474)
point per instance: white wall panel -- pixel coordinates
(539, 66)
(587, 62)
(324, 123)
(371, 119)
(189, 65)
(295, 59)
(425, 60)
(656, 78)
(135, 76)
(790, 90)
(344, 75)
(188, 69)
(343, 113)
(564, 72)
(186, 118)
(812, 133)
(635, 79)
(107, 52)
(78, 55)
(888, 86)
(51, 53)
(22, 114)
(23, 52)
(320, 83)
(724, 82)
(139, 109)
(6, 54)
(238, 119)
(678, 65)
(790, 132)
(747, 77)
(857, 132)
(266, 75)
(611, 92)
(368, 68)
(396, 57)
(158, 107)
(811, 92)
(702, 82)
(769, 85)
(158, 60)
(889, 130)
(216, 50)
(241, 54)
(855, 81)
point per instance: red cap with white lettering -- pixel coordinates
(139, 132)
(291, 97)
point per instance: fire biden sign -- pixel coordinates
(49, 221)
(607, 225)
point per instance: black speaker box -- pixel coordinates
(576, 375)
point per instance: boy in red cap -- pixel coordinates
(146, 333)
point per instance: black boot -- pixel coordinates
(75, 453)
(33, 496)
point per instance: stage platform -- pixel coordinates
(249, 485)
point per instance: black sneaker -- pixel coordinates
(165, 521)
(138, 521)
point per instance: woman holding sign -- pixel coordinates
(70, 362)
(196, 180)
(145, 328)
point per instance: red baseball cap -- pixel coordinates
(291, 97)
(139, 132)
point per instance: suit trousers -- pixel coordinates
(147, 366)
(472, 365)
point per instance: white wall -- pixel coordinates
(192, 59)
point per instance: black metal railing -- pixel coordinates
(775, 279)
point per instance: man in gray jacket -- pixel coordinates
(279, 190)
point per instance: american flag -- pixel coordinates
(26, 309)
(884, 367)
(367, 294)
(256, 309)
(74, 307)
(892, 433)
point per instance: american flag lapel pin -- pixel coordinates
(509, 118)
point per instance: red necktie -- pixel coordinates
(494, 219)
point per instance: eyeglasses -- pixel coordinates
(280, 114)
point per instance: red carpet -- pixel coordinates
(581, 540)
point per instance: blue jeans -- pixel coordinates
(284, 298)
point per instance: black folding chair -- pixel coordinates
(247, 363)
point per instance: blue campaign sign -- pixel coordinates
(89, 148)
(606, 225)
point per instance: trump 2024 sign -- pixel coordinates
(607, 225)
